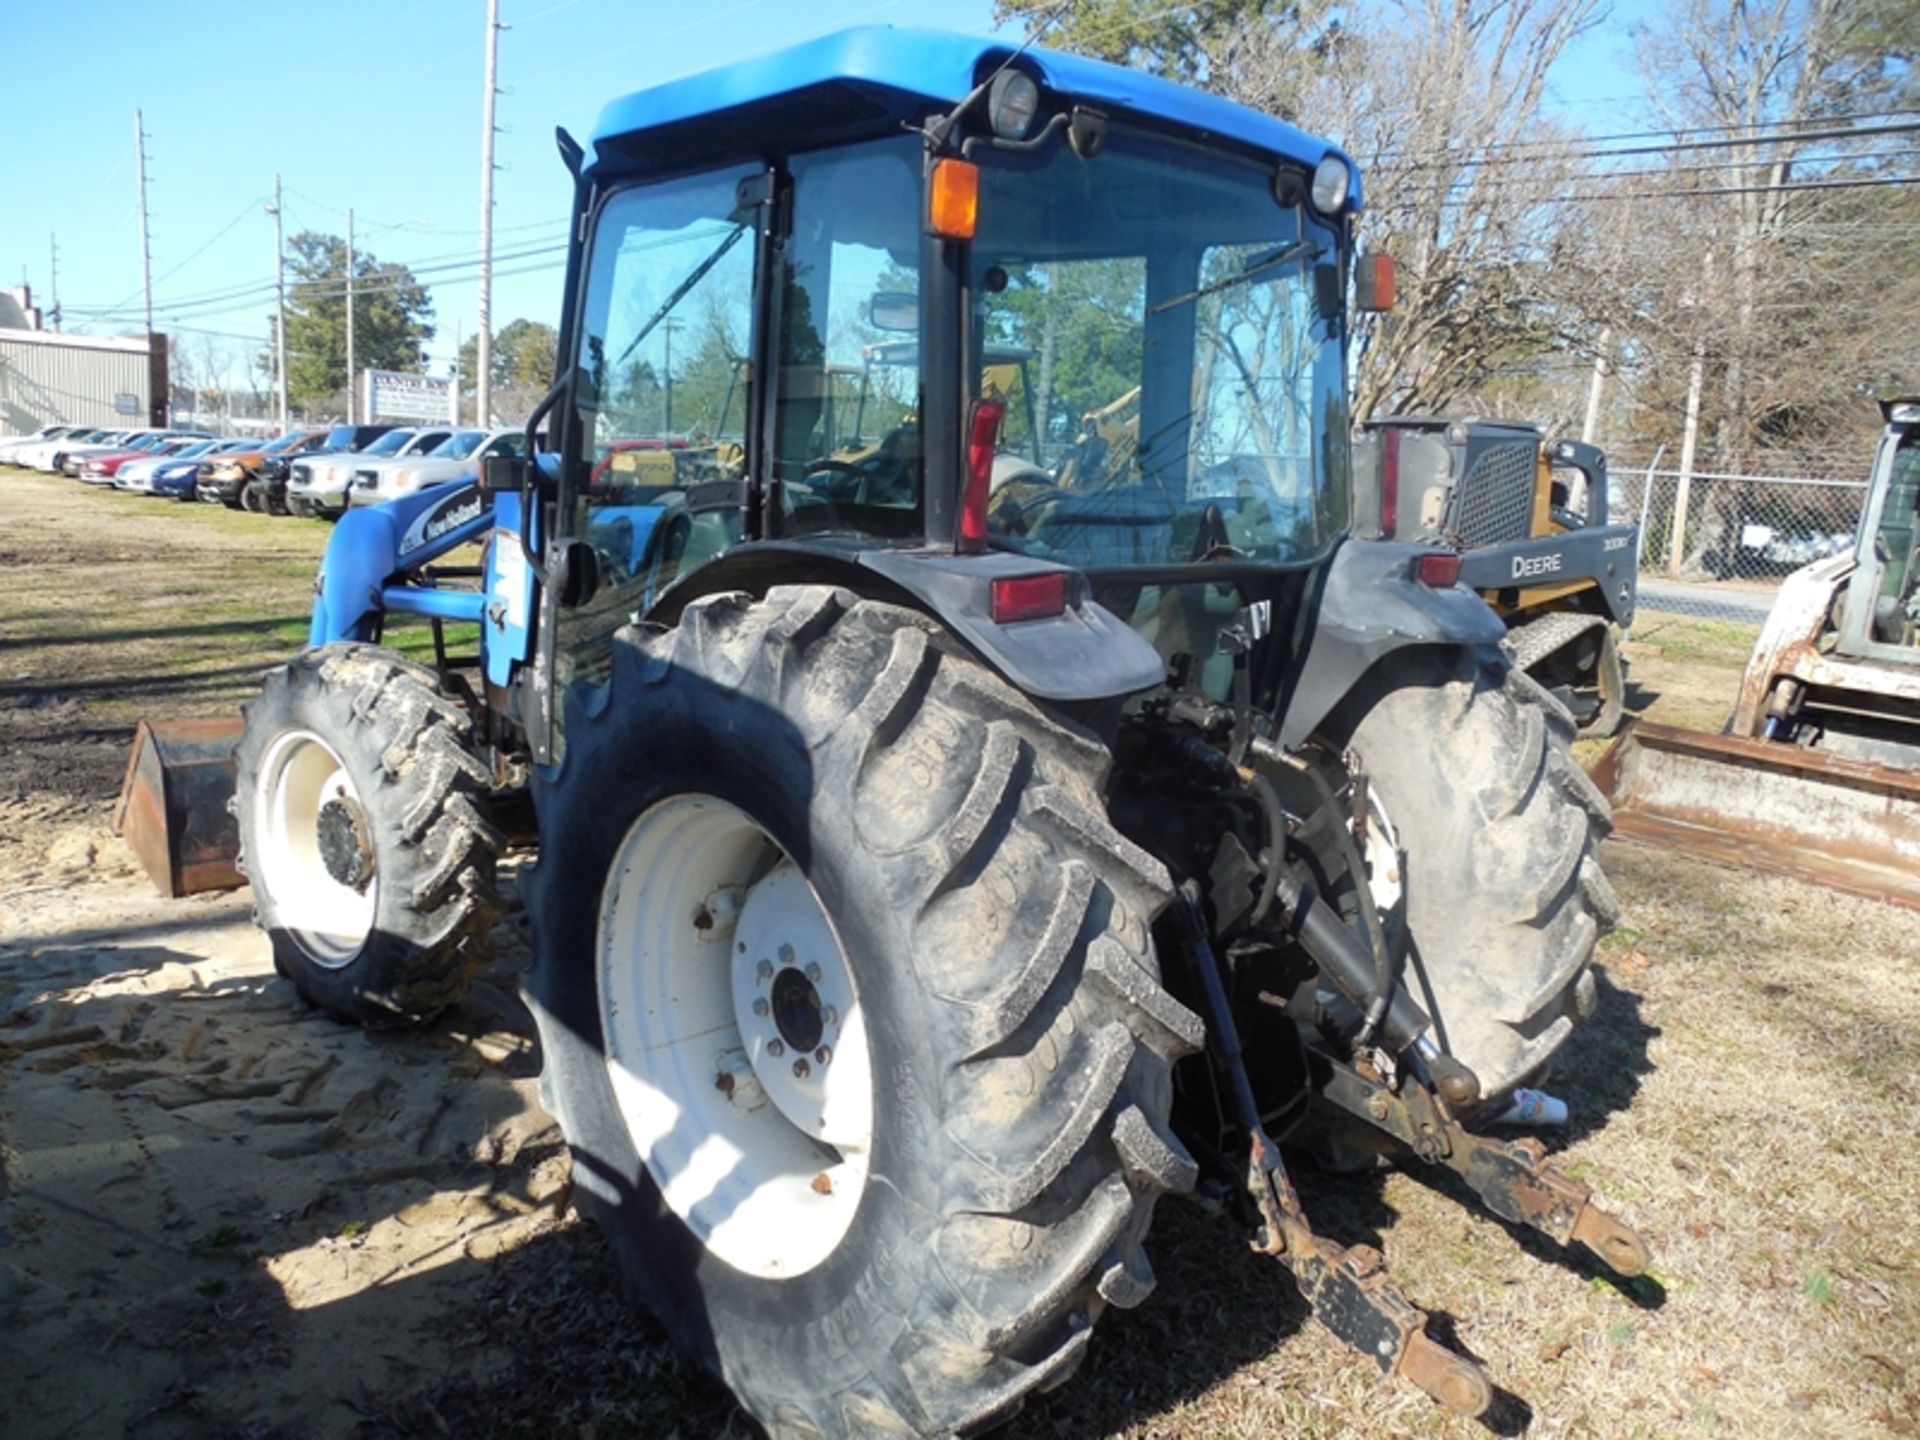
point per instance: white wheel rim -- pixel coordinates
(716, 965)
(327, 916)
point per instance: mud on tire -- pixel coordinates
(1505, 899)
(426, 848)
(998, 930)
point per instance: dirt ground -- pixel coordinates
(223, 1216)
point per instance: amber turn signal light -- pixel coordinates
(953, 203)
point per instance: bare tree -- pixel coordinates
(1433, 98)
(1795, 311)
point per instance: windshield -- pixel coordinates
(389, 443)
(1183, 400)
(286, 443)
(458, 445)
(197, 447)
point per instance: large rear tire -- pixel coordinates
(825, 803)
(1503, 896)
(364, 835)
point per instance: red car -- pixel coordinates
(100, 469)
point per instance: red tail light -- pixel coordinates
(1390, 481)
(1028, 597)
(1439, 568)
(983, 430)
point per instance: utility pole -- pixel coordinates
(1592, 422)
(483, 341)
(53, 281)
(350, 384)
(146, 252)
(669, 325)
(1696, 377)
(453, 398)
(280, 310)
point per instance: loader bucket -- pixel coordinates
(1846, 824)
(173, 804)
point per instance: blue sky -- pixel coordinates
(375, 104)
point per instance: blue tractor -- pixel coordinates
(955, 837)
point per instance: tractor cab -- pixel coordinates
(1098, 324)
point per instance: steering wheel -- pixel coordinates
(836, 487)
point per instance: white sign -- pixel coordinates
(389, 395)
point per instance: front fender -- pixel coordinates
(1370, 607)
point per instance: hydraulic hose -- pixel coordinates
(1318, 927)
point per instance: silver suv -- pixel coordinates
(317, 484)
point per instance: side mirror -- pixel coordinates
(502, 473)
(894, 310)
(574, 574)
(1374, 284)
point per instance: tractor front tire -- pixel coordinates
(1504, 898)
(364, 834)
(850, 1013)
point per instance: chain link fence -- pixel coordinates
(1717, 544)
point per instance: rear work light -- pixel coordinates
(983, 433)
(1439, 569)
(1028, 597)
(1390, 481)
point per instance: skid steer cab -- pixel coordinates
(977, 784)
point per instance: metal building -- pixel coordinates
(59, 379)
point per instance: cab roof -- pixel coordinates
(868, 79)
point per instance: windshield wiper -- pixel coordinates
(680, 290)
(1299, 249)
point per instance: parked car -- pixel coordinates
(457, 457)
(104, 469)
(9, 447)
(318, 483)
(139, 441)
(137, 474)
(38, 455)
(269, 489)
(178, 476)
(53, 457)
(223, 478)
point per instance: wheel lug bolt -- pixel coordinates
(830, 1016)
(764, 972)
(813, 973)
(801, 1069)
(786, 954)
(824, 1054)
(760, 1007)
(776, 1047)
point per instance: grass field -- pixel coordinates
(1748, 1095)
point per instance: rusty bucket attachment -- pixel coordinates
(1847, 824)
(173, 804)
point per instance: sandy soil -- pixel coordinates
(221, 1215)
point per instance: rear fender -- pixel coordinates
(1369, 608)
(1085, 653)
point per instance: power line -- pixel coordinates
(1674, 131)
(1677, 147)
